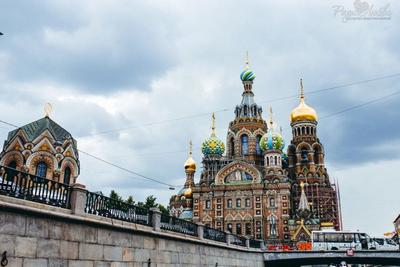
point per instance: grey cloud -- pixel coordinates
(98, 52)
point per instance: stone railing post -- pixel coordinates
(155, 218)
(78, 199)
(262, 245)
(228, 238)
(200, 230)
(247, 242)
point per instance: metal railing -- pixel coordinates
(111, 208)
(178, 225)
(214, 234)
(15, 183)
(238, 240)
(255, 243)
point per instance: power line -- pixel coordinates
(106, 162)
(228, 109)
(125, 169)
(172, 186)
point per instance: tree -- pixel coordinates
(163, 209)
(130, 201)
(150, 202)
(115, 196)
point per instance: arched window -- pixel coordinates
(304, 154)
(238, 229)
(238, 203)
(272, 226)
(229, 227)
(275, 161)
(267, 161)
(272, 202)
(316, 155)
(245, 144)
(258, 148)
(229, 203)
(308, 130)
(303, 130)
(248, 228)
(232, 145)
(41, 169)
(245, 110)
(298, 131)
(11, 172)
(247, 202)
(67, 175)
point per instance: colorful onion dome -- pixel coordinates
(247, 75)
(213, 145)
(190, 164)
(303, 112)
(272, 140)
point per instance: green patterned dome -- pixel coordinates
(213, 146)
(272, 140)
(247, 75)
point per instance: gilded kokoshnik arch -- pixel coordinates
(257, 189)
(238, 172)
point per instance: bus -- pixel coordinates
(341, 240)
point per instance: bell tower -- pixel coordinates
(305, 150)
(248, 127)
(307, 166)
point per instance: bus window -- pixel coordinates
(348, 237)
(357, 237)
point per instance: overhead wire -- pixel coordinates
(330, 115)
(228, 109)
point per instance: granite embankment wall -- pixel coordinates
(37, 235)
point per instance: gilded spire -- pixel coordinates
(301, 89)
(47, 109)
(213, 124)
(271, 122)
(190, 147)
(303, 204)
(247, 61)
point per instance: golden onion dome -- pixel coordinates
(188, 192)
(303, 112)
(190, 164)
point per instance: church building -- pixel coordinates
(44, 149)
(254, 186)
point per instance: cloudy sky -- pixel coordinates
(133, 81)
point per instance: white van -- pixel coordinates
(385, 244)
